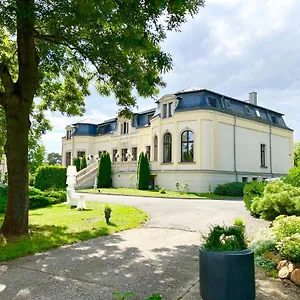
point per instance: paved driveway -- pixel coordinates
(162, 257)
(184, 214)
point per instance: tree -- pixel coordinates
(54, 158)
(143, 172)
(83, 163)
(104, 172)
(53, 49)
(36, 157)
(296, 154)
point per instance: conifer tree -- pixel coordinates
(76, 162)
(143, 172)
(83, 163)
(104, 172)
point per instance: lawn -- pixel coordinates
(168, 194)
(59, 225)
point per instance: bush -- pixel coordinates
(278, 198)
(293, 177)
(31, 179)
(83, 163)
(223, 238)
(76, 163)
(37, 198)
(287, 236)
(162, 191)
(143, 172)
(252, 190)
(104, 171)
(51, 178)
(234, 189)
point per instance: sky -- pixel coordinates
(232, 47)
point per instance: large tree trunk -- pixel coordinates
(16, 102)
(16, 149)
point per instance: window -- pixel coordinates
(69, 134)
(262, 155)
(167, 155)
(155, 148)
(148, 149)
(245, 179)
(114, 158)
(149, 119)
(257, 113)
(134, 153)
(247, 109)
(170, 109)
(124, 156)
(80, 153)
(212, 101)
(68, 159)
(273, 119)
(124, 128)
(187, 146)
(227, 104)
(254, 178)
(164, 114)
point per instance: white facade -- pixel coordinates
(225, 146)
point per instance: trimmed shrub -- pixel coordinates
(37, 198)
(279, 198)
(83, 163)
(234, 189)
(293, 177)
(287, 235)
(51, 178)
(104, 171)
(76, 163)
(143, 172)
(252, 190)
(162, 191)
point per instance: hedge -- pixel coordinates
(37, 198)
(51, 178)
(234, 189)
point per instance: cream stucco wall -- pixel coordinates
(226, 148)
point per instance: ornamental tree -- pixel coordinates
(83, 163)
(53, 49)
(104, 171)
(143, 172)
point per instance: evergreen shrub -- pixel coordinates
(83, 163)
(76, 163)
(234, 189)
(143, 172)
(279, 198)
(51, 177)
(104, 171)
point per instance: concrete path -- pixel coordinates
(160, 258)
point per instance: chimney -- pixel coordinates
(253, 98)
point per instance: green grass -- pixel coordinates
(168, 194)
(59, 225)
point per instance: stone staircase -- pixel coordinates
(85, 178)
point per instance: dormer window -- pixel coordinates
(227, 104)
(247, 109)
(273, 119)
(212, 102)
(167, 110)
(124, 127)
(69, 134)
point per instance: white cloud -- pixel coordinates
(232, 47)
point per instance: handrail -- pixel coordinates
(84, 177)
(87, 169)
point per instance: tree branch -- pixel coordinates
(2, 99)
(6, 79)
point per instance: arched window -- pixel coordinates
(155, 148)
(167, 147)
(187, 146)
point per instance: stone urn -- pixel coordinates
(107, 213)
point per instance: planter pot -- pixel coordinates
(227, 275)
(107, 213)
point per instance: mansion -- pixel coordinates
(196, 137)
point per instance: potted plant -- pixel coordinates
(107, 212)
(226, 264)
